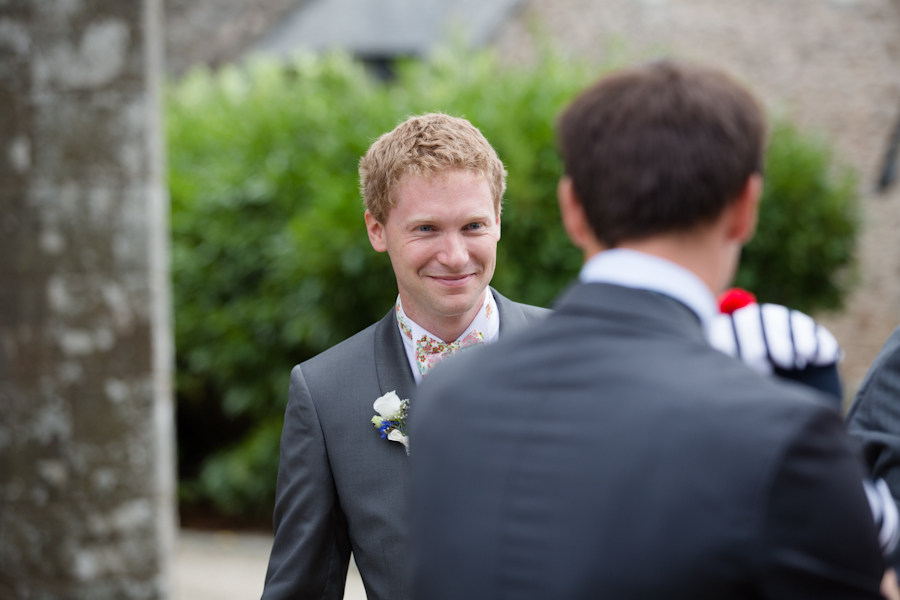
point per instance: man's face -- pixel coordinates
(441, 236)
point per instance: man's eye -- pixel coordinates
(424, 228)
(475, 225)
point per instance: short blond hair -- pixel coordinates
(425, 146)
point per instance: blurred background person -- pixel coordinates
(775, 340)
(874, 418)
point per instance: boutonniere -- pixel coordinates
(392, 422)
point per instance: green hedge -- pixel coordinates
(271, 263)
(802, 253)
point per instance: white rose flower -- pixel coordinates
(396, 436)
(388, 406)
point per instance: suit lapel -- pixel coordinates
(511, 315)
(391, 363)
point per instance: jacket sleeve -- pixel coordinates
(311, 551)
(819, 538)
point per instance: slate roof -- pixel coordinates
(386, 28)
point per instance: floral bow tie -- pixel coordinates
(430, 351)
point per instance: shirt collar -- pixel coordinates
(486, 321)
(637, 270)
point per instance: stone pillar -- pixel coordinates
(86, 441)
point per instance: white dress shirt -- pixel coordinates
(486, 321)
(637, 270)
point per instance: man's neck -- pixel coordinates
(696, 254)
(638, 270)
(446, 327)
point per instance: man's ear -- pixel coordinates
(574, 218)
(745, 210)
(375, 230)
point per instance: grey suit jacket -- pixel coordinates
(610, 452)
(874, 417)
(342, 488)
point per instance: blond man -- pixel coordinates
(432, 189)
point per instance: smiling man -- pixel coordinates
(432, 189)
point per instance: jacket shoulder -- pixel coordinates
(534, 313)
(352, 350)
(530, 314)
(883, 376)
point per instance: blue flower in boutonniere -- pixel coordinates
(392, 422)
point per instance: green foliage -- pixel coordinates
(271, 262)
(241, 481)
(802, 254)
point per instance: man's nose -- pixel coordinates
(454, 253)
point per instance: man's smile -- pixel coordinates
(453, 280)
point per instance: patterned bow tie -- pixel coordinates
(430, 351)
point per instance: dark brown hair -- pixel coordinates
(661, 147)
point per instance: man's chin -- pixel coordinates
(454, 305)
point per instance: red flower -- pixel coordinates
(734, 298)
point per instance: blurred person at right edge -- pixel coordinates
(610, 451)
(775, 340)
(874, 418)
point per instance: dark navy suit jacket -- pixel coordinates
(610, 452)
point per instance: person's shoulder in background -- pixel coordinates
(775, 340)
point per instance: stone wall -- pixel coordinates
(86, 443)
(212, 33)
(828, 65)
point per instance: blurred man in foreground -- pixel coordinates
(610, 451)
(432, 189)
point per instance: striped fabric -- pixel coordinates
(765, 336)
(884, 511)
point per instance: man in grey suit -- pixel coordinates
(610, 452)
(874, 418)
(432, 189)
